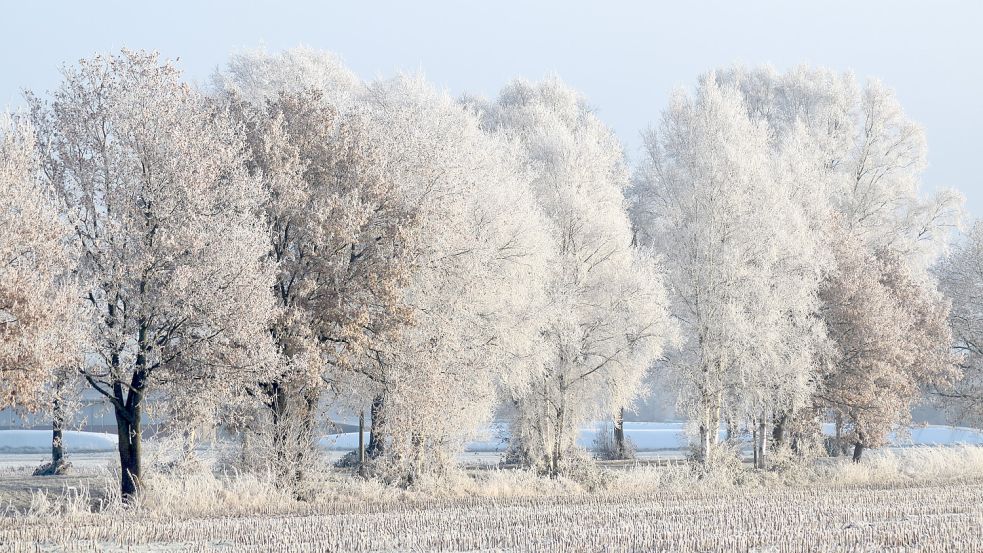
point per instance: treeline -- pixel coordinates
(290, 236)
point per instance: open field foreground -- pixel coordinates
(931, 518)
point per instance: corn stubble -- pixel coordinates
(899, 517)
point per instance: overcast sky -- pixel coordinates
(625, 56)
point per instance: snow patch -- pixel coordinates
(39, 441)
(669, 436)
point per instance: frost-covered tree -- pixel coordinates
(257, 76)
(605, 317)
(170, 234)
(872, 156)
(39, 331)
(475, 269)
(863, 185)
(891, 338)
(961, 281)
(336, 240)
(720, 201)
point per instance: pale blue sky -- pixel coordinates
(625, 56)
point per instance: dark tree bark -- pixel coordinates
(858, 451)
(57, 438)
(128, 428)
(129, 411)
(278, 416)
(754, 447)
(361, 438)
(704, 444)
(130, 435)
(58, 464)
(375, 448)
(778, 433)
(128, 408)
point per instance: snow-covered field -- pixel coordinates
(20, 449)
(648, 437)
(39, 441)
(901, 499)
(927, 518)
(670, 436)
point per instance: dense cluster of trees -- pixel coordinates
(290, 236)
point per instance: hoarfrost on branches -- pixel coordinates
(170, 236)
(39, 326)
(604, 320)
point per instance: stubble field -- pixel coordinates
(939, 517)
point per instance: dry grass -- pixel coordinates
(918, 500)
(898, 518)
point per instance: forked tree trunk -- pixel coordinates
(129, 430)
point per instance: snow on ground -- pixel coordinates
(670, 436)
(39, 441)
(647, 436)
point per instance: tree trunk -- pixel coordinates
(129, 430)
(57, 443)
(130, 438)
(281, 431)
(375, 427)
(762, 442)
(709, 427)
(838, 436)
(58, 464)
(361, 438)
(778, 433)
(858, 451)
(620, 451)
(754, 446)
(556, 453)
(306, 427)
(704, 444)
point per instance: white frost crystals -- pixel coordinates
(293, 244)
(167, 228)
(604, 320)
(713, 198)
